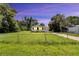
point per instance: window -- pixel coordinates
(37, 28)
(42, 28)
(33, 28)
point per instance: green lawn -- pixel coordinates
(35, 44)
(74, 34)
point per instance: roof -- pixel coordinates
(76, 26)
(38, 26)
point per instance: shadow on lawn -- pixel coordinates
(41, 43)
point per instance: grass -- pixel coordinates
(74, 34)
(34, 44)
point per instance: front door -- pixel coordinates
(37, 28)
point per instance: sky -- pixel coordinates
(44, 11)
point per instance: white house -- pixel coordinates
(74, 29)
(39, 28)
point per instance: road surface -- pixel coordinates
(67, 36)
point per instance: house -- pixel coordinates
(39, 28)
(74, 29)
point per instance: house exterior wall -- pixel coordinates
(74, 29)
(39, 28)
(35, 28)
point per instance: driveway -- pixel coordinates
(67, 36)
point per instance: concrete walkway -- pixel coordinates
(67, 36)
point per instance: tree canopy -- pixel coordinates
(7, 22)
(59, 22)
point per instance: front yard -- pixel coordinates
(37, 44)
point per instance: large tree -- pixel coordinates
(56, 23)
(8, 24)
(60, 23)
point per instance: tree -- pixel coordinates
(72, 20)
(5, 25)
(56, 23)
(30, 22)
(8, 24)
(50, 24)
(27, 23)
(59, 23)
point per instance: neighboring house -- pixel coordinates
(74, 29)
(39, 28)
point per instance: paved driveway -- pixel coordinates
(67, 36)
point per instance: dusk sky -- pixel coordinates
(44, 11)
